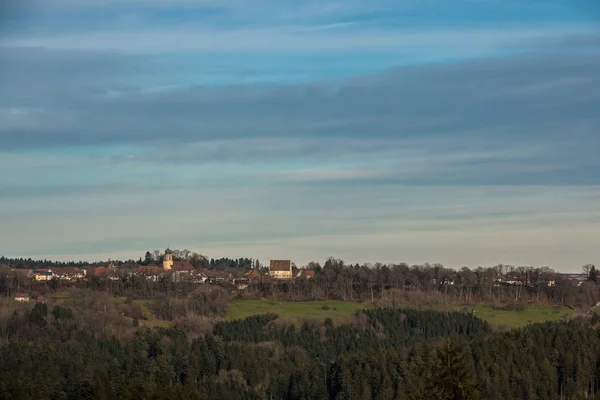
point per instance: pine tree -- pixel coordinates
(453, 377)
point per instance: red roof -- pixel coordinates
(98, 271)
(309, 272)
(21, 295)
(23, 272)
(182, 266)
(154, 269)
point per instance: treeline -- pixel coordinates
(30, 263)
(381, 354)
(150, 257)
(401, 284)
(243, 263)
(390, 285)
(200, 261)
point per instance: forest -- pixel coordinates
(135, 338)
(379, 354)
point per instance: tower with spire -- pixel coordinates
(168, 260)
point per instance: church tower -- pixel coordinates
(168, 260)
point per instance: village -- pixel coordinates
(167, 267)
(170, 269)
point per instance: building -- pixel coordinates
(45, 274)
(219, 276)
(253, 276)
(280, 269)
(149, 272)
(306, 273)
(24, 273)
(168, 260)
(182, 266)
(70, 273)
(100, 271)
(241, 283)
(22, 297)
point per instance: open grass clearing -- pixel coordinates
(296, 311)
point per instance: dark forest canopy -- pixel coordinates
(381, 354)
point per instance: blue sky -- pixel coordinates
(460, 132)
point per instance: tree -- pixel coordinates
(453, 378)
(37, 316)
(148, 258)
(593, 274)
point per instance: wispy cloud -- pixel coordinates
(474, 41)
(386, 130)
(327, 27)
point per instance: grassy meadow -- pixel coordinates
(339, 310)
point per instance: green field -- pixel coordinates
(515, 319)
(294, 311)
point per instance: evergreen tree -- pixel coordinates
(453, 377)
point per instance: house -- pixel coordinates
(24, 273)
(306, 273)
(219, 276)
(100, 271)
(181, 276)
(253, 276)
(182, 266)
(44, 274)
(575, 277)
(150, 272)
(295, 272)
(241, 283)
(70, 274)
(40, 300)
(22, 297)
(106, 272)
(280, 269)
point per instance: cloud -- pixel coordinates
(336, 25)
(516, 120)
(487, 101)
(287, 39)
(550, 225)
(478, 161)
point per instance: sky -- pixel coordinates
(464, 132)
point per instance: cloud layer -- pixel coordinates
(459, 144)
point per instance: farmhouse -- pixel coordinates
(306, 273)
(44, 274)
(280, 269)
(21, 297)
